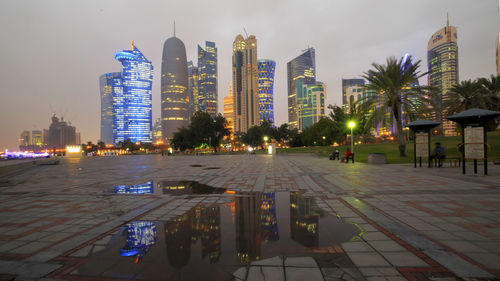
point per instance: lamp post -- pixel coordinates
(352, 125)
(265, 140)
(324, 140)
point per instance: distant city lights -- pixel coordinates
(22, 154)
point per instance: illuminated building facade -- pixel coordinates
(132, 107)
(304, 220)
(157, 131)
(193, 88)
(25, 138)
(301, 68)
(174, 88)
(37, 138)
(266, 87)
(310, 103)
(442, 61)
(207, 83)
(229, 109)
(347, 83)
(245, 83)
(110, 85)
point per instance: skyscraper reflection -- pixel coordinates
(201, 223)
(304, 219)
(141, 235)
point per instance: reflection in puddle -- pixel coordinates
(141, 235)
(146, 188)
(187, 187)
(210, 241)
(168, 187)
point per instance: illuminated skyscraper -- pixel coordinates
(442, 61)
(25, 139)
(498, 54)
(193, 88)
(245, 83)
(107, 83)
(174, 87)
(207, 84)
(346, 83)
(133, 110)
(266, 86)
(302, 68)
(229, 109)
(310, 103)
(157, 131)
(36, 138)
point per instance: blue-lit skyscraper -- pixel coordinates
(207, 79)
(266, 86)
(110, 85)
(301, 68)
(133, 107)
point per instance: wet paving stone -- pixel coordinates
(213, 241)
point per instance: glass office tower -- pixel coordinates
(266, 87)
(207, 83)
(301, 68)
(134, 105)
(109, 84)
(442, 61)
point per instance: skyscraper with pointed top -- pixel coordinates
(245, 83)
(174, 87)
(442, 63)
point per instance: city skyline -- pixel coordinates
(81, 47)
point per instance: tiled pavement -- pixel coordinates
(418, 224)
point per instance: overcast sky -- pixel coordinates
(52, 52)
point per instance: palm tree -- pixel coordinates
(396, 95)
(465, 95)
(491, 89)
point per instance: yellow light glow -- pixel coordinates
(73, 149)
(352, 124)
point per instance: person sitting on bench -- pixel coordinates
(335, 154)
(347, 155)
(439, 153)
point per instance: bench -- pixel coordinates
(350, 157)
(454, 160)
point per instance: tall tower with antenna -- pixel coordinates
(174, 87)
(442, 62)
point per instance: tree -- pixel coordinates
(396, 95)
(203, 129)
(465, 95)
(491, 90)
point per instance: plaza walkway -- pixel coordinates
(414, 224)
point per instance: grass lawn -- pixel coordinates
(391, 149)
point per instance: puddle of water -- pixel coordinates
(167, 187)
(211, 241)
(146, 188)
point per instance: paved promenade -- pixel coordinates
(57, 221)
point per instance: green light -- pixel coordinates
(352, 124)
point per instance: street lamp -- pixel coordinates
(352, 125)
(324, 140)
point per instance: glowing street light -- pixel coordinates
(352, 125)
(266, 138)
(324, 138)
